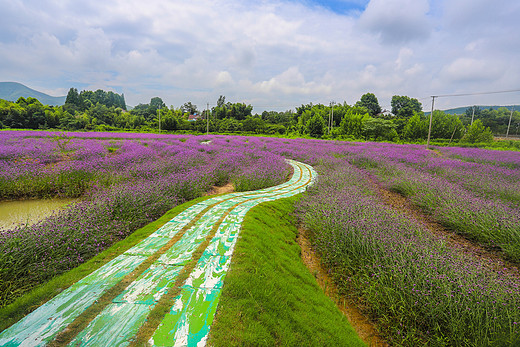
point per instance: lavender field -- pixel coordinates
(124, 183)
(415, 284)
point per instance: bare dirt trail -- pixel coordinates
(362, 325)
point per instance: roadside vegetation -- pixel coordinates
(365, 120)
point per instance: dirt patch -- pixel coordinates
(228, 188)
(361, 324)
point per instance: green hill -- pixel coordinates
(462, 110)
(11, 91)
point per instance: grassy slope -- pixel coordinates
(29, 302)
(269, 297)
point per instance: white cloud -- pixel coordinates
(290, 82)
(472, 70)
(397, 21)
(404, 55)
(223, 78)
(268, 52)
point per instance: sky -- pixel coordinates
(274, 55)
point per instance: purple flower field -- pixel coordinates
(124, 183)
(421, 290)
(418, 287)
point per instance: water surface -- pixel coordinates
(13, 213)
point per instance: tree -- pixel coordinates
(277, 117)
(34, 114)
(477, 132)
(189, 108)
(149, 111)
(473, 111)
(15, 116)
(404, 106)
(103, 114)
(416, 128)
(370, 102)
(169, 121)
(446, 126)
(253, 124)
(73, 98)
(229, 125)
(221, 101)
(156, 103)
(352, 122)
(239, 111)
(379, 128)
(316, 126)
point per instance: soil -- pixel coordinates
(228, 188)
(361, 324)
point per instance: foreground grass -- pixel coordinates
(29, 302)
(269, 297)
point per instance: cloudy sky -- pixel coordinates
(271, 54)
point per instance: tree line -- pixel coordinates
(107, 111)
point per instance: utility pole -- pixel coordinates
(472, 115)
(207, 117)
(159, 110)
(509, 125)
(430, 128)
(328, 123)
(331, 116)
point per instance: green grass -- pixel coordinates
(29, 302)
(269, 297)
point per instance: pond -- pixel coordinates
(13, 213)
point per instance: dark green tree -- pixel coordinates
(370, 102)
(376, 128)
(73, 98)
(404, 106)
(156, 103)
(230, 125)
(221, 101)
(189, 108)
(473, 111)
(352, 122)
(253, 124)
(239, 111)
(169, 121)
(316, 126)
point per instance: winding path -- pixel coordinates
(181, 266)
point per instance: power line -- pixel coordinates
(481, 93)
(466, 94)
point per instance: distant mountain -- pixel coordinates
(462, 110)
(11, 91)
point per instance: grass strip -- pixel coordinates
(269, 297)
(32, 300)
